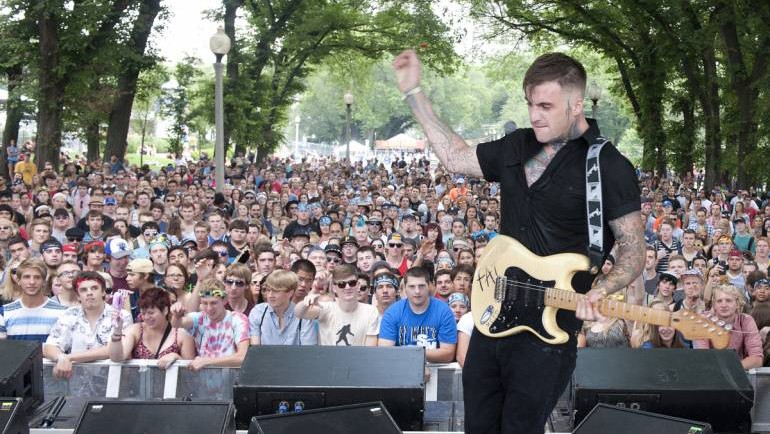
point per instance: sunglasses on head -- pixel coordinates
(349, 283)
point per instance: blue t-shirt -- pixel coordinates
(431, 328)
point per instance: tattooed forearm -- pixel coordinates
(629, 239)
(449, 147)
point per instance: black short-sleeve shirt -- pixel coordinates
(550, 217)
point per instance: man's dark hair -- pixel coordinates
(150, 225)
(558, 67)
(94, 213)
(264, 248)
(218, 243)
(463, 268)
(416, 272)
(366, 249)
(442, 272)
(239, 224)
(303, 265)
(17, 240)
(207, 253)
(179, 247)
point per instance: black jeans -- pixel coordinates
(512, 384)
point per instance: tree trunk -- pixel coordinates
(13, 114)
(710, 105)
(51, 85)
(92, 141)
(120, 114)
(686, 136)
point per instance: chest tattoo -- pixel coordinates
(536, 165)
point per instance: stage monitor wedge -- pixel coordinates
(152, 417)
(21, 372)
(369, 418)
(606, 419)
(13, 418)
(704, 385)
(275, 379)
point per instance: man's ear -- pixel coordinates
(577, 106)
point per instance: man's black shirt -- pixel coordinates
(550, 217)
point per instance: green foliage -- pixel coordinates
(176, 101)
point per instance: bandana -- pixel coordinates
(213, 293)
(385, 278)
(458, 296)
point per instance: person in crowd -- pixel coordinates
(692, 284)
(459, 303)
(344, 321)
(31, 316)
(462, 278)
(82, 332)
(608, 332)
(65, 277)
(727, 305)
(154, 338)
(221, 336)
(420, 319)
(660, 336)
(237, 280)
(139, 279)
(274, 322)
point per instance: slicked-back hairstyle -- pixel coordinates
(558, 67)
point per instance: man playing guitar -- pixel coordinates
(512, 383)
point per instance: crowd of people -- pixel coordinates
(324, 252)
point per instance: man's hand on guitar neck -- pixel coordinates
(587, 308)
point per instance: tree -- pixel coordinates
(176, 101)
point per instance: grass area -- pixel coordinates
(154, 161)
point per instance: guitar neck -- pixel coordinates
(568, 300)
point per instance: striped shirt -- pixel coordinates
(30, 324)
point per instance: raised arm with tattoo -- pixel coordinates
(449, 147)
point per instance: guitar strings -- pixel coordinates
(542, 288)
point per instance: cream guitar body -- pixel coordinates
(515, 290)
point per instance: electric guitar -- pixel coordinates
(515, 290)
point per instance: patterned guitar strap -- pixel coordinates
(594, 205)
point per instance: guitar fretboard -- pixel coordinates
(562, 299)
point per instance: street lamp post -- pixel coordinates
(220, 45)
(594, 93)
(348, 97)
(297, 120)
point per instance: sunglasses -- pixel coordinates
(238, 283)
(222, 254)
(333, 259)
(346, 283)
(363, 288)
(395, 245)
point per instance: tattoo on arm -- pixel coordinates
(449, 147)
(629, 238)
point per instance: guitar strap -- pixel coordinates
(594, 205)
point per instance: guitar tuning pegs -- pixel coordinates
(714, 318)
(728, 327)
(721, 323)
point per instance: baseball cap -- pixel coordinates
(300, 232)
(408, 216)
(117, 248)
(691, 272)
(110, 201)
(349, 240)
(739, 220)
(187, 241)
(49, 244)
(333, 248)
(70, 248)
(395, 236)
(668, 203)
(669, 276)
(461, 180)
(325, 220)
(42, 210)
(735, 253)
(140, 265)
(61, 212)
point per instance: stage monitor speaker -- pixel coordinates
(705, 385)
(277, 379)
(605, 419)
(151, 417)
(13, 418)
(21, 371)
(369, 418)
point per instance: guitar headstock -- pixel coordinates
(693, 326)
